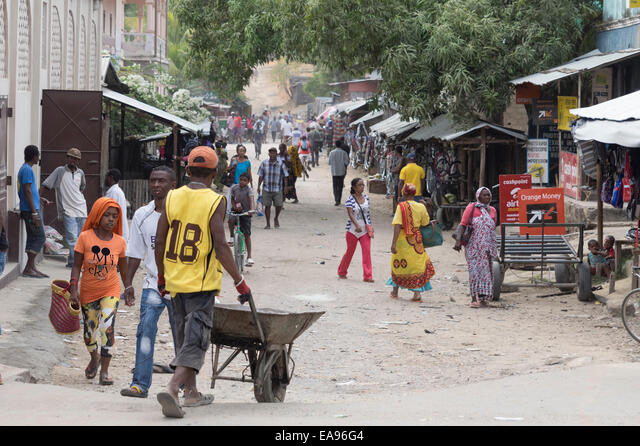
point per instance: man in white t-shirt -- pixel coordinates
(287, 130)
(140, 246)
(114, 191)
(69, 183)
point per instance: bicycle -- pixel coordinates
(239, 246)
(631, 309)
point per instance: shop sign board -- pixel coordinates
(634, 3)
(570, 174)
(510, 185)
(601, 85)
(541, 205)
(525, 94)
(545, 111)
(566, 103)
(538, 160)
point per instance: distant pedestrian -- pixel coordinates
(69, 182)
(114, 191)
(273, 173)
(100, 255)
(338, 160)
(296, 136)
(359, 218)
(414, 174)
(30, 211)
(259, 132)
(286, 130)
(305, 152)
(273, 127)
(296, 171)
(316, 136)
(141, 247)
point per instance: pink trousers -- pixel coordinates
(352, 243)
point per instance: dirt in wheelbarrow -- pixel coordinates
(367, 343)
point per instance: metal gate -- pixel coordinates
(71, 119)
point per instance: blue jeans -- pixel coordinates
(72, 229)
(3, 260)
(151, 306)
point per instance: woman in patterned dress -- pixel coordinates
(482, 247)
(411, 267)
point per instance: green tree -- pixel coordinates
(435, 56)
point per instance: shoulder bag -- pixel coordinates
(463, 232)
(367, 225)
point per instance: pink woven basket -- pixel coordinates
(63, 316)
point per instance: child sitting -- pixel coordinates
(597, 260)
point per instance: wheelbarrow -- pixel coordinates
(265, 338)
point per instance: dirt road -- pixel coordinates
(366, 345)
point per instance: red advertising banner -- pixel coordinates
(509, 187)
(570, 174)
(538, 205)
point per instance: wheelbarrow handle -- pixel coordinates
(252, 305)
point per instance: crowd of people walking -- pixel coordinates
(180, 237)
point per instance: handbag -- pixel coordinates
(464, 232)
(431, 235)
(63, 316)
(368, 227)
(227, 179)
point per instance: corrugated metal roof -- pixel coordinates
(368, 117)
(590, 61)
(444, 128)
(146, 108)
(618, 109)
(349, 106)
(394, 126)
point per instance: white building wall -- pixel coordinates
(40, 48)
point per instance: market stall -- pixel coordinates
(609, 132)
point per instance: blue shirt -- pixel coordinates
(240, 169)
(26, 177)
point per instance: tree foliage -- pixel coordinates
(434, 55)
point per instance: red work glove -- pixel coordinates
(243, 289)
(162, 285)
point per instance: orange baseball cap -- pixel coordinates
(203, 156)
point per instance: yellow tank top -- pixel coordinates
(190, 262)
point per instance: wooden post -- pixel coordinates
(469, 174)
(483, 156)
(599, 198)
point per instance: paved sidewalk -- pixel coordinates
(594, 395)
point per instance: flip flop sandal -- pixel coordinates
(475, 304)
(134, 391)
(393, 296)
(105, 381)
(203, 401)
(416, 299)
(91, 373)
(33, 276)
(170, 407)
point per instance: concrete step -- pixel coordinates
(13, 374)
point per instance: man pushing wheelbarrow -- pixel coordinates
(189, 268)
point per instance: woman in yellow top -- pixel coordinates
(411, 267)
(297, 170)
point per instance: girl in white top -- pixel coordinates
(359, 218)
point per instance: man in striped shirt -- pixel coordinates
(272, 172)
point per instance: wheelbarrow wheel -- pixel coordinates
(270, 381)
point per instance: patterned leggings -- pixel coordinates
(99, 318)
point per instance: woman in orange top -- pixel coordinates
(100, 254)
